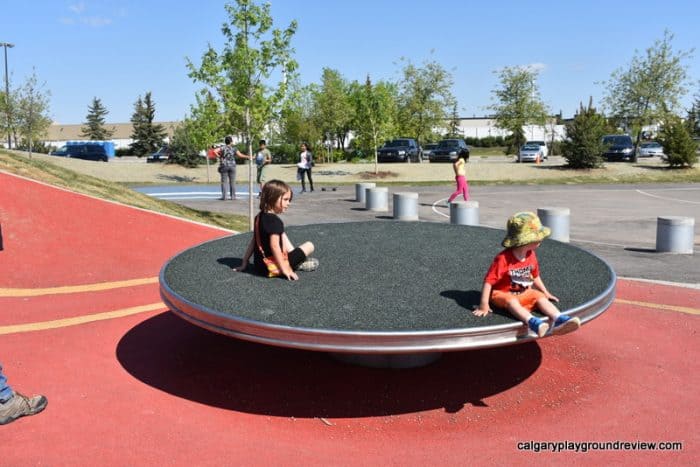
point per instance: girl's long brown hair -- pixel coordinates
(271, 192)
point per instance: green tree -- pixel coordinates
(650, 88)
(94, 128)
(297, 122)
(693, 117)
(679, 147)
(148, 136)
(517, 103)
(583, 147)
(453, 130)
(31, 113)
(242, 73)
(184, 146)
(332, 107)
(425, 99)
(375, 110)
(206, 123)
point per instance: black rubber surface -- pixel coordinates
(376, 276)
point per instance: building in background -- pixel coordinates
(57, 134)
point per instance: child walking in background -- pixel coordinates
(460, 169)
(270, 243)
(513, 281)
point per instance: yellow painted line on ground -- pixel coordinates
(660, 306)
(62, 323)
(76, 288)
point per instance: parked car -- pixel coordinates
(449, 150)
(650, 149)
(618, 147)
(161, 155)
(91, 152)
(542, 145)
(427, 150)
(399, 150)
(530, 153)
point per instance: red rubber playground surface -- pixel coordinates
(128, 383)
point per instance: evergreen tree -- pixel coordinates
(148, 137)
(95, 121)
(583, 147)
(678, 144)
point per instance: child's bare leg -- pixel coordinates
(286, 244)
(548, 308)
(524, 315)
(307, 248)
(560, 324)
(519, 311)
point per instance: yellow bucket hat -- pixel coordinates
(524, 228)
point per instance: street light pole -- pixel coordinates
(5, 45)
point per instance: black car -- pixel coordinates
(161, 155)
(399, 150)
(449, 150)
(91, 152)
(618, 147)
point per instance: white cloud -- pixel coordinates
(536, 67)
(95, 21)
(77, 7)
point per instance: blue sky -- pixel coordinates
(118, 50)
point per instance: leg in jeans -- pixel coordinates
(6, 391)
(232, 181)
(224, 175)
(301, 177)
(311, 182)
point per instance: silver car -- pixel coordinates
(530, 153)
(650, 149)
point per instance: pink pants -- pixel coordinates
(462, 187)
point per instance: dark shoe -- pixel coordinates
(565, 324)
(20, 406)
(310, 264)
(222, 199)
(538, 326)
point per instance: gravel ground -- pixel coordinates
(479, 169)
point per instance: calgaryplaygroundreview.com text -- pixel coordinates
(585, 446)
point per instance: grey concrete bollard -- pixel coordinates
(406, 206)
(464, 212)
(360, 190)
(558, 220)
(377, 199)
(675, 234)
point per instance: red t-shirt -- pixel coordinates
(509, 274)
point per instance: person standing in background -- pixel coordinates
(227, 167)
(306, 161)
(262, 160)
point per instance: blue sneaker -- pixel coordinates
(538, 326)
(565, 324)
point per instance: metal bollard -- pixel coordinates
(406, 206)
(360, 190)
(556, 219)
(675, 234)
(464, 212)
(377, 199)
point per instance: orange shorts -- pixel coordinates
(527, 299)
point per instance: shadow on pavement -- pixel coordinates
(174, 356)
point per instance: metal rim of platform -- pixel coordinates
(371, 342)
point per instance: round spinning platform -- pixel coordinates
(385, 294)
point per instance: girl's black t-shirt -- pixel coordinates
(268, 224)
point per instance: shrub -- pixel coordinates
(678, 145)
(284, 153)
(583, 147)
